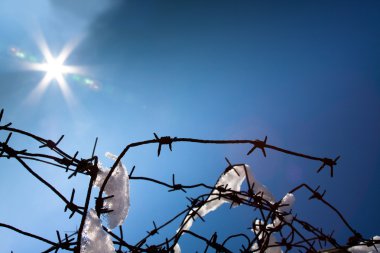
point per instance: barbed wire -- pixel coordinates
(294, 234)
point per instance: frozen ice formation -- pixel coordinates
(365, 248)
(94, 238)
(284, 209)
(118, 187)
(231, 180)
(260, 236)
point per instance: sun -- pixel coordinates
(55, 70)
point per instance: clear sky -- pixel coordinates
(304, 73)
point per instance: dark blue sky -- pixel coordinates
(304, 73)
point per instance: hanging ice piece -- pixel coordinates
(94, 238)
(118, 187)
(176, 248)
(231, 180)
(282, 211)
(262, 236)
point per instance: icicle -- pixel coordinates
(94, 238)
(118, 186)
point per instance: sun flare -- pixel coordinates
(54, 69)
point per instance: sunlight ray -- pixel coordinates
(68, 49)
(40, 89)
(65, 89)
(54, 69)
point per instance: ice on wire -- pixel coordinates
(118, 187)
(94, 238)
(230, 180)
(367, 249)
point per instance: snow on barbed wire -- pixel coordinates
(94, 238)
(367, 249)
(118, 187)
(230, 180)
(176, 248)
(283, 211)
(256, 186)
(262, 236)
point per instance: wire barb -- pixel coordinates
(292, 233)
(1, 117)
(330, 163)
(51, 144)
(260, 145)
(165, 140)
(71, 206)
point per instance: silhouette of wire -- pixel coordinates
(294, 234)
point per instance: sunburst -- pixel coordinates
(55, 70)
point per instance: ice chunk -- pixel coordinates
(365, 248)
(118, 186)
(94, 238)
(271, 244)
(284, 209)
(176, 248)
(230, 180)
(256, 186)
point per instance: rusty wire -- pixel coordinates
(297, 235)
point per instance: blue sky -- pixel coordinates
(304, 73)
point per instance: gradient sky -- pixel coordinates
(304, 73)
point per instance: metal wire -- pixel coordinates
(297, 235)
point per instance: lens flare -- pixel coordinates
(55, 69)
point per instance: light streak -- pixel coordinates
(55, 69)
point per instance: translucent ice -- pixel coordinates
(118, 187)
(365, 248)
(231, 180)
(94, 238)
